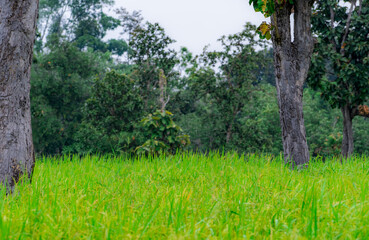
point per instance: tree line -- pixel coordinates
(90, 95)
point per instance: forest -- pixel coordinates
(109, 131)
(89, 94)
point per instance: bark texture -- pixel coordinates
(17, 33)
(348, 134)
(292, 62)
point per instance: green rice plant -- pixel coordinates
(188, 196)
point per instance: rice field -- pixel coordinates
(188, 196)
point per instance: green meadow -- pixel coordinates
(188, 196)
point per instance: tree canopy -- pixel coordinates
(89, 93)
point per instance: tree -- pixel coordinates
(150, 54)
(70, 52)
(86, 24)
(110, 116)
(18, 27)
(322, 125)
(232, 86)
(291, 61)
(60, 84)
(341, 61)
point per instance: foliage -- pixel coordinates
(361, 135)
(110, 116)
(86, 25)
(231, 87)
(162, 134)
(114, 103)
(259, 126)
(323, 125)
(267, 8)
(69, 53)
(188, 196)
(256, 127)
(223, 99)
(340, 66)
(150, 53)
(340, 62)
(60, 83)
(150, 46)
(129, 21)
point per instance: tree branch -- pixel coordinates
(332, 16)
(347, 28)
(333, 42)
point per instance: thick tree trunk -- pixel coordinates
(348, 133)
(17, 34)
(292, 62)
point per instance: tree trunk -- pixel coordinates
(230, 126)
(292, 62)
(229, 133)
(17, 33)
(348, 134)
(163, 99)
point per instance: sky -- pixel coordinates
(196, 23)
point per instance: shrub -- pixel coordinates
(162, 134)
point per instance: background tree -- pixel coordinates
(322, 125)
(129, 21)
(18, 26)
(83, 22)
(69, 55)
(111, 116)
(61, 82)
(150, 52)
(223, 99)
(232, 87)
(341, 63)
(291, 60)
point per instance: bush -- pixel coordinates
(162, 134)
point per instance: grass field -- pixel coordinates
(188, 196)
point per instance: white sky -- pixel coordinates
(196, 23)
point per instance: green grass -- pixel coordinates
(188, 196)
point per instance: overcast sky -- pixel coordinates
(196, 23)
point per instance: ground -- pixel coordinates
(188, 196)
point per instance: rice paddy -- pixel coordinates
(188, 196)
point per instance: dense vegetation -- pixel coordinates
(90, 94)
(189, 196)
(111, 117)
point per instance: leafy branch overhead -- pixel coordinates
(267, 8)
